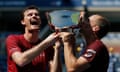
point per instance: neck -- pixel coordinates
(31, 36)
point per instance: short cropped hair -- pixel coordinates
(28, 8)
(104, 25)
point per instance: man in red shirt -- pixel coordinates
(27, 52)
(95, 57)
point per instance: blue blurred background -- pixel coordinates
(10, 22)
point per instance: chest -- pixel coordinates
(38, 60)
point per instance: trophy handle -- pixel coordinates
(49, 21)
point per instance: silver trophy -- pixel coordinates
(67, 20)
(61, 20)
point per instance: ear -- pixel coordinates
(22, 22)
(96, 28)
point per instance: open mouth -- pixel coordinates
(34, 22)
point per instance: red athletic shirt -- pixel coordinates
(98, 56)
(18, 43)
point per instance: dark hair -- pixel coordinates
(28, 8)
(104, 25)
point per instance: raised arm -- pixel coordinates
(55, 64)
(23, 58)
(73, 63)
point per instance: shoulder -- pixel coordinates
(13, 37)
(96, 44)
(94, 49)
(97, 47)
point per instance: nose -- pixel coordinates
(33, 15)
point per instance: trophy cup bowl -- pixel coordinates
(61, 20)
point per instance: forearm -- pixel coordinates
(73, 63)
(56, 65)
(70, 59)
(27, 56)
(69, 44)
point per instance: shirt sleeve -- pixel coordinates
(92, 50)
(12, 45)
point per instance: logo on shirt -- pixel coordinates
(90, 53)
